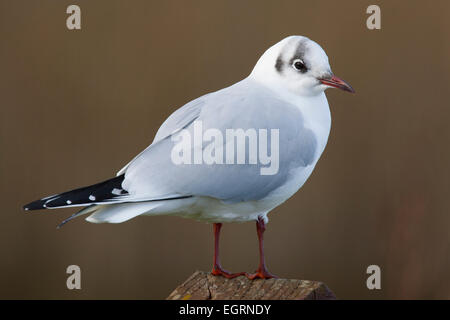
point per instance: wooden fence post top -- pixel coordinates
(204, 286)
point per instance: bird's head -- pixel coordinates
(299, 65)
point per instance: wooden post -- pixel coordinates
(204, 286)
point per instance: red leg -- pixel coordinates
(217, 268)
(262, 271)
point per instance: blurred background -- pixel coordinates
(78, 105)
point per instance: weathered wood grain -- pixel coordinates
(204, 286)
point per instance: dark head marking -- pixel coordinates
(279, 64)
(299, 54)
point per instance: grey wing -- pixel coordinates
(175, 122)
(153, 174)
(181, 118)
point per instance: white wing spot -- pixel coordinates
(116, 192)
(92, 198)
(68, 202)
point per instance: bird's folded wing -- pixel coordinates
(154, 174)
(176, 122)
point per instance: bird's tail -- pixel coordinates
(106, 201)
(97, 197)
(114, 213)
(106, 192)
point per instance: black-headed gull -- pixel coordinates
(229, 156)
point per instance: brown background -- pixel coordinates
(77, 105)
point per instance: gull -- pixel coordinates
(284, 95)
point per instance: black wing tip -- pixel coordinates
(35, 205)
(82, 196)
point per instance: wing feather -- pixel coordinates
(242, 106)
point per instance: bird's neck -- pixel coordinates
(315, 111)
(314, 108)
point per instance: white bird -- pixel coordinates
(284, 92)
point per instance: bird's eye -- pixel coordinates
(299, 65)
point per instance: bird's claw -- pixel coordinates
(260, 274)
(218, 271)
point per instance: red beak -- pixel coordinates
(337, 82)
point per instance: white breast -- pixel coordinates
(317, 118)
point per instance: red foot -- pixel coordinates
(260, 274)
(218, 271)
